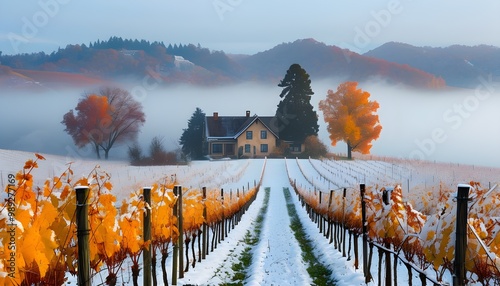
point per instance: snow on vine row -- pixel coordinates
(421, 222)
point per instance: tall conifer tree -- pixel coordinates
(295, 114)
(192, 137)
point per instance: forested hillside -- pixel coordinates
(126, 59)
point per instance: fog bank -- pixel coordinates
(460, 126)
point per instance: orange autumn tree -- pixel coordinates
(104, 119)
(351, 117)
(92, 113)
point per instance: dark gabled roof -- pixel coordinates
(231, 127)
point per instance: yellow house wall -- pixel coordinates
(256, 141)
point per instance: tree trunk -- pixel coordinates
(111, 279)
(343, 239)
(97, 151)
(186, 242)
(338, 226)
(395, 269)
(153, 266)
(200, 237)
(328, 229)
(422, 279)
(388, 267)
(335, 241)
(193, 250)
(135, 274)
(164, 255)
(349, 151)
(220, 231)
(349, 250)
(408, 268)
(214, 236)
(369, 267)
(356, 260)
(380, 256)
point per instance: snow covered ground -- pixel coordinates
(277, 258)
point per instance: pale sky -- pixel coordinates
(244, 26)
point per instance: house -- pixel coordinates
(183, 64)
(240, 136)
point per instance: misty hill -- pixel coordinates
(99, 60)
(112, 60)
(459, 66)
(133, 60)
(323, 61)
(40, 80)
(10, 78)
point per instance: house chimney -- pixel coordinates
(216, 115)
(248, 113)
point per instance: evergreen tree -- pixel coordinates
(295, 114)
(192, 137)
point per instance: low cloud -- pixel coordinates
(414, 122)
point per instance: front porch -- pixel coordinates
(222, 149)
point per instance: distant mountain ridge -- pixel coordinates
(133, 60)
(458, 65)
(323, 61)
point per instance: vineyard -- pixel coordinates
(410, 211)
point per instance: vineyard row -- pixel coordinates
(424, 243)
(41, 227)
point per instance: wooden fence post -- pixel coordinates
(223, 233)
(461, 235)
(320, 220)
(366, 271)
(83, 230)
(181, 233)
(146, 258)
(388, 268)
(330, 200)
(343, 223)
(175, 251)
(330, 221)
(231, 218)
(204, 227)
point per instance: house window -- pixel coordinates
(263, 134)
(216, 148)
(247, 148)
(296, 148)
(264, 148)
(249, 135)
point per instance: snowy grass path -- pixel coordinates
(277, 257)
